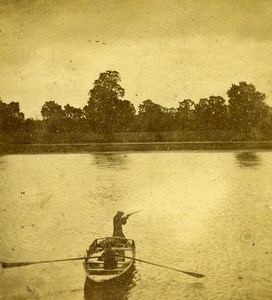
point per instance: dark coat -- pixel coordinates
(109, 260)
(118, 222)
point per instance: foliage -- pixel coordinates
(246, 107)
(53, 115)
(150, 116)
(185, 115)
(71, 113)
(74, 119)
(106, 114)
(11, 119)
(124, 115)
(57, 119)
(211, 113)
(105, 110)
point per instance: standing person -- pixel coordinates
(118, 221)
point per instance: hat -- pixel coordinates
(120, 212)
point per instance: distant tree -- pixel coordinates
(211, 113)
(125, 113)
(52, 110)
(185, 114)
(30, 125)
(53, 116)
(104, 105)
(265, 125)
(32, 129)
(151, 116)
(72, 113)
(73, 119)
(169, 119)
(246, 107)
(11, 118)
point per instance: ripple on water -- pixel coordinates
(203, 212)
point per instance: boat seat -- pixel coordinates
(104, 270)
(101, 259)
(101, 263)
(98, 249)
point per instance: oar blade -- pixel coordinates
(197, 275)
(6, 265)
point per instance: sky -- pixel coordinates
(164, 50)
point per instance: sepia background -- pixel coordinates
(205, 212)
(201, 211)
(164, 50)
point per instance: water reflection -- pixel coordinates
(248, 159)
(2, 164)
(111, 160)
(113, 290)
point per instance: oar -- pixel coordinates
(166, 267)
(6, 265)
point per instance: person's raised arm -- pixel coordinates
(124, 219)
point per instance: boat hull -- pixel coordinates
(124, 250)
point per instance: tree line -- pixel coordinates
(107, 112)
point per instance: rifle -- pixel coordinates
(135, 212)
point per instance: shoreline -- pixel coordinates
(133, 146)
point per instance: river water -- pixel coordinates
(206, 212)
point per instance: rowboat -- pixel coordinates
(94, 261)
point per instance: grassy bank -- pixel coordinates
(41, 137)
(156, 146)
(41, 142)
